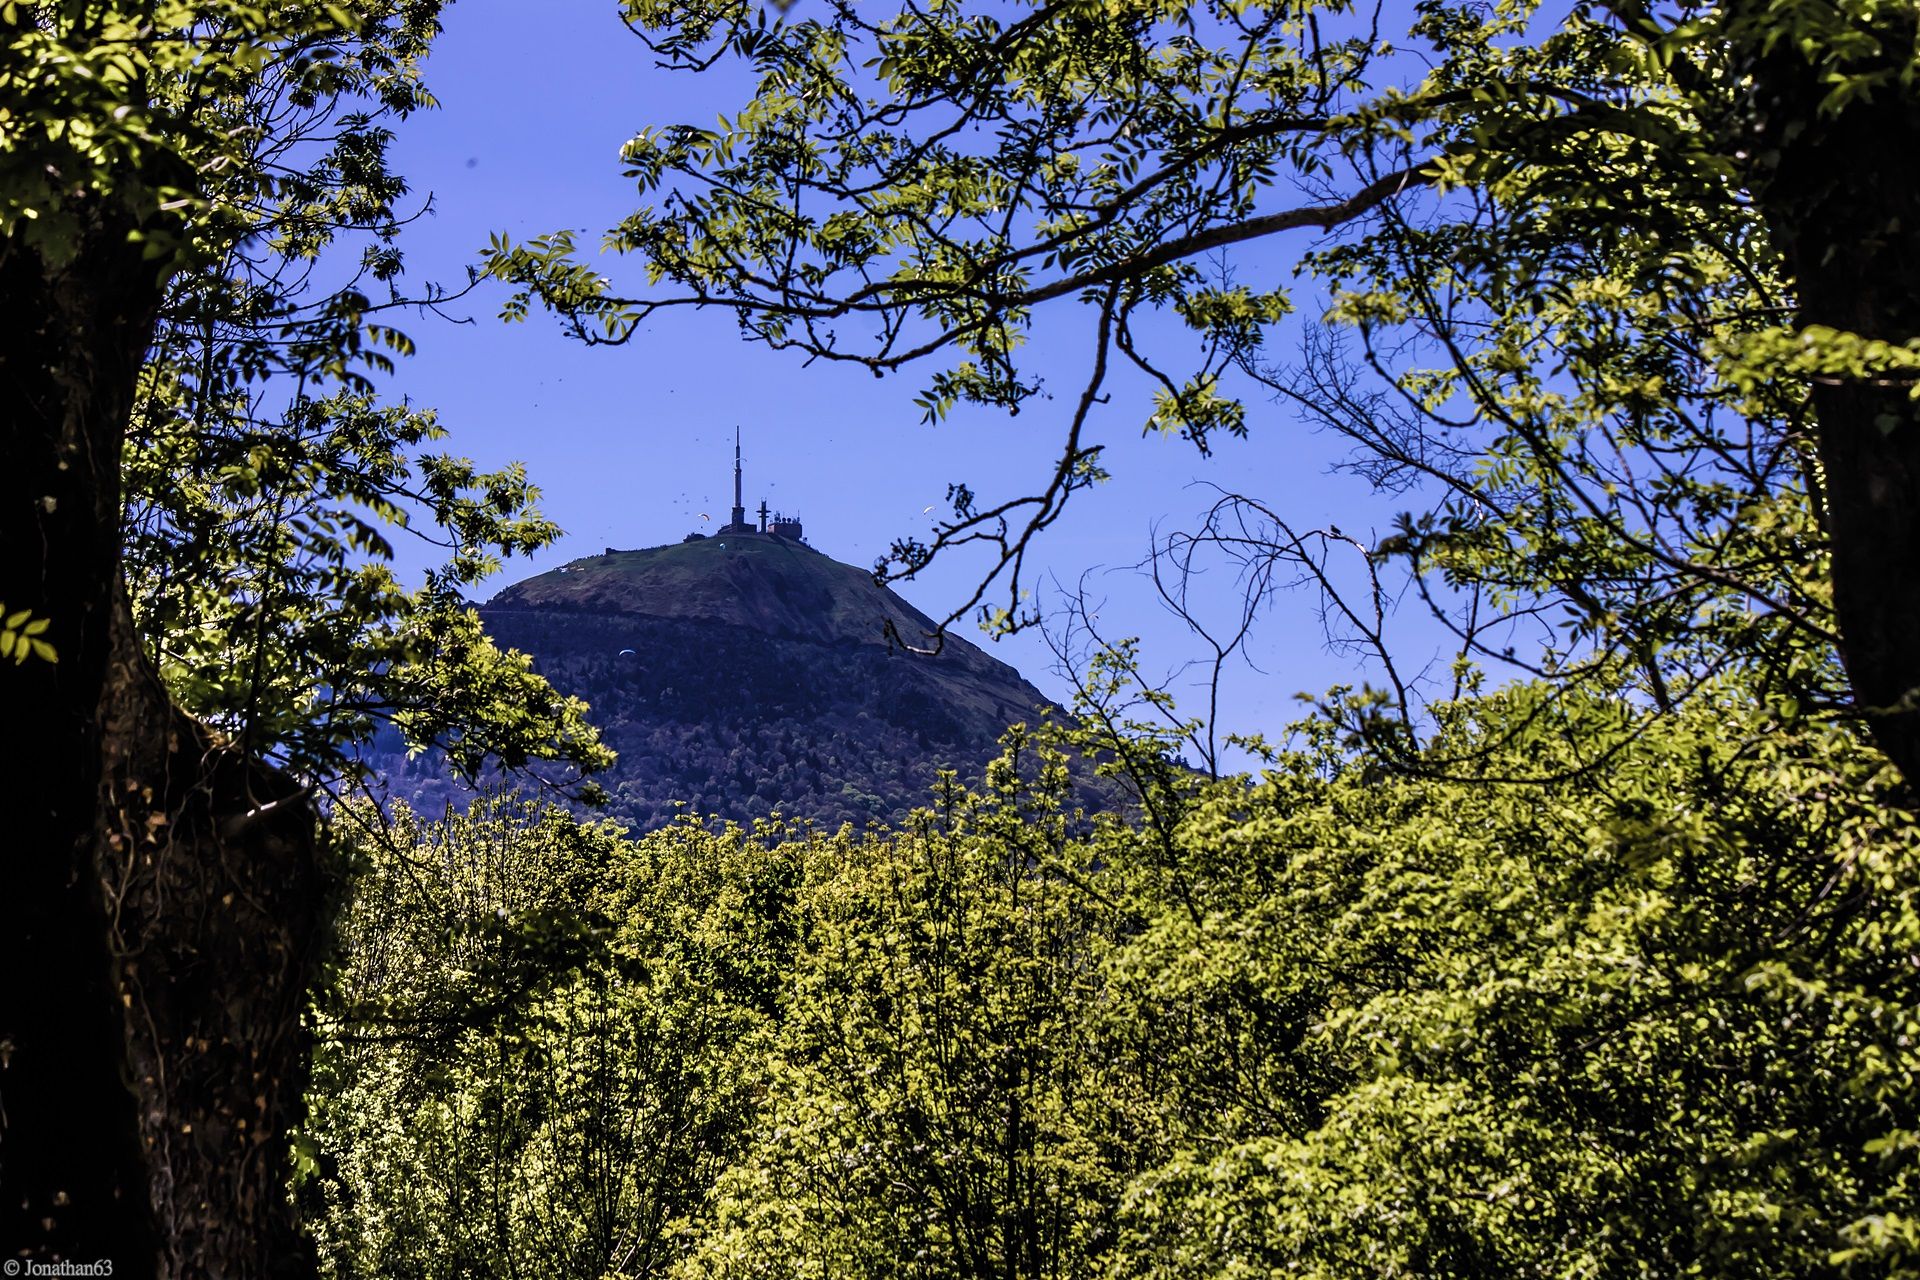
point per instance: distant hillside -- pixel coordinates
(743, 672)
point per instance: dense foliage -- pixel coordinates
(1655, 1017)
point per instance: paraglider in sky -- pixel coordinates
(628, 653)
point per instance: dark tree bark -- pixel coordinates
(1842, 199)
(73, 1180)
(157, 897)
(207, 863)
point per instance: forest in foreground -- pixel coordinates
(1656, 1016)
(1584, 946)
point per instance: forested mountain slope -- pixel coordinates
(742, 672)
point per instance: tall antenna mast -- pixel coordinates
(739, 506)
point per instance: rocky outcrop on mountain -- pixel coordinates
(740, 674)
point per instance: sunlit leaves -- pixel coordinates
(930, 169)
(97, 111)
(20, 637)
(1325, 1021)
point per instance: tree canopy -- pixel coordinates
(1603, 291)
(1655, 1017)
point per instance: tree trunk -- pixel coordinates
(1842, 200)
(207, 861)
(73, 1181)
(157, 894)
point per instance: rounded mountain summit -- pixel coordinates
(759, 581)
(745, 672)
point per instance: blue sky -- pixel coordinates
(631, 445)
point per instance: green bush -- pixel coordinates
(1607, 1000)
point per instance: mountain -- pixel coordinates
(745, 671)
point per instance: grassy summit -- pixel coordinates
(774, 586)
